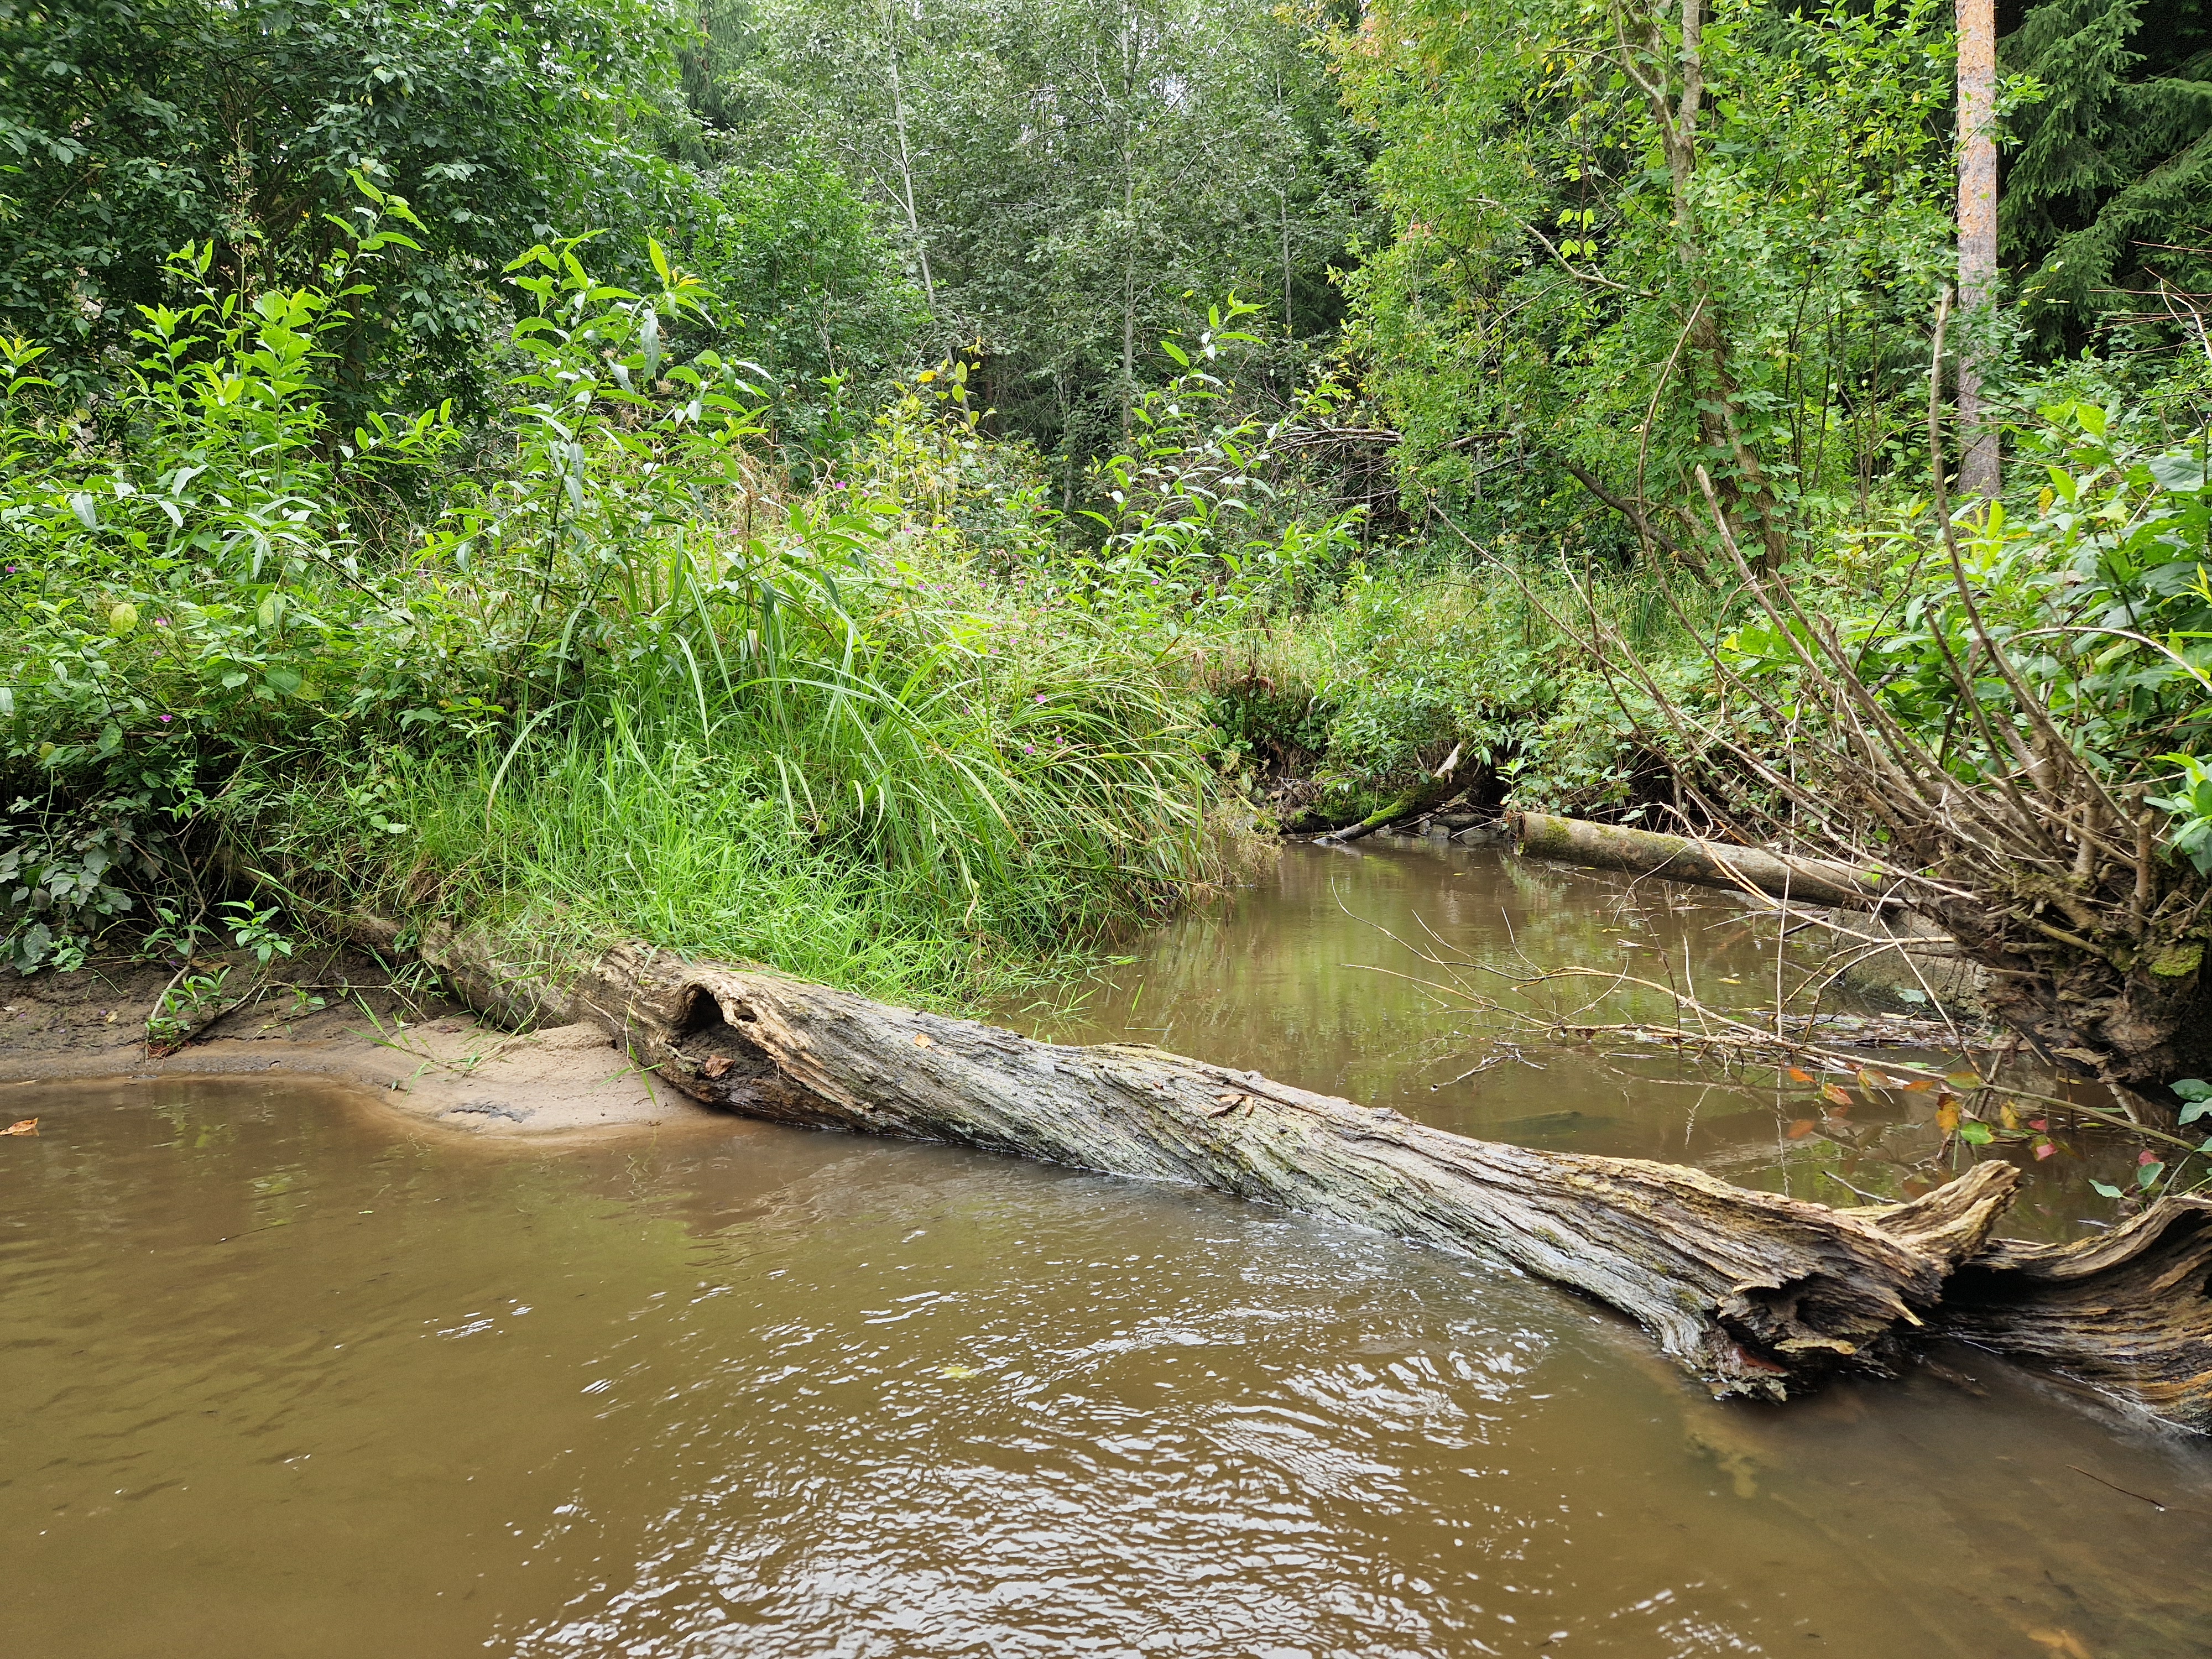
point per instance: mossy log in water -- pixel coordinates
(1817, 882)
(1433, 789)
(1753, 1293)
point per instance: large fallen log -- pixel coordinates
(1817, 882)
(1753, 1293)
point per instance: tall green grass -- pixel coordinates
(617, 684)
(906, 812)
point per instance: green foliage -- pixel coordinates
(1063, 178)
(129, 127)
(2098, 598)
(2190, 807)
(922, 817)
(1619, 255)
(1195, 533)
(1414, 657)
(813, 293)
(2196, 1094)
(193, 595)
(597, 654)
(2104, 196)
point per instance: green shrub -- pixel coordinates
(614, 662)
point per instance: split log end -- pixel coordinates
(2128, 1314)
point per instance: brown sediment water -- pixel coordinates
(284, 1374)
(1325, 974)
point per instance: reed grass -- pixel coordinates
(927, 806)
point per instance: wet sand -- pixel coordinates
(417, 1056)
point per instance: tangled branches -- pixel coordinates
(1998, 737)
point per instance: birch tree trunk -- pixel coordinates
(906, 159)
(1978, 475)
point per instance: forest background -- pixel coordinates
(885, 489)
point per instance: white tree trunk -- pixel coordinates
(1977, 234)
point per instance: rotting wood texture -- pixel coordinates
(1753, 1293)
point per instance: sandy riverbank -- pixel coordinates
(421, 1057)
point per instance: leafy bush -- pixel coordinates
(1196, 528)
(816, 297)
(2094, 607)
(132, 128)
(188, 593)
(621, 631)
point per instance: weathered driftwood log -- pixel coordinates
(1703, 863)
(2129, 1313)
(1753, 1293)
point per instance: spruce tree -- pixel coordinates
(2108, 192)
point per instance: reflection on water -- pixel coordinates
(283, 1378)
(1316, 976)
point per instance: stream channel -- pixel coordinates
(285, 1375)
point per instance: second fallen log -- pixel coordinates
(1433, 789)
(1818, 882)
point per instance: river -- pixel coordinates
(283, 1376)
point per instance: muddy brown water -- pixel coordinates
(283, 1377)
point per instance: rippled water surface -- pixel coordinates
(281, 1377)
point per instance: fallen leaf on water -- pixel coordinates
(27, 1126)
(1946, 1115)
(2064, 1642)
(1921, 1087)
(2043, 1149)
(956, 1372)
(1829, 1091)
(1964, 1080)
(2009, 1117)
(1800, 1129)
(1797, 1076)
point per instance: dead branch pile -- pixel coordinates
(2005, 829)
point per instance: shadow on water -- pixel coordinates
(282, 1379)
